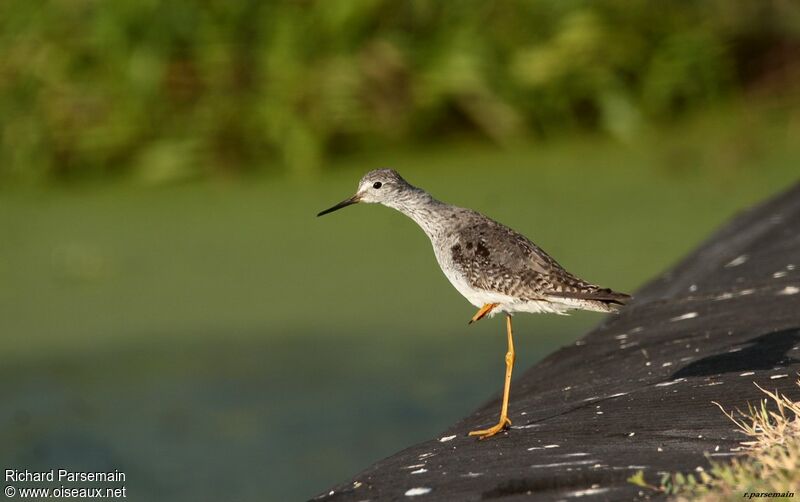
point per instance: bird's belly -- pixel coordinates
(477, 297)
(506, 303)
(537, 307)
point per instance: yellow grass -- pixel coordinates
(770, 466)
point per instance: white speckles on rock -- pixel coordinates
(577, 454)
(588, 491)
(415, 466)
(664, 365)
(779, 274)
(693, 288)
(789, 290)
(618, 394)
(562, 464)
(631, 434)
(737, 261)
(420, 490)
(420, 471)
(747, 373)
(447, 438)
(551, 446)
(671, 382)
(688, 315)
(621, 337)
(775, 377)
(426, 455)
(472, 475)
(728, 295)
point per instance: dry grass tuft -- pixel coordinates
(770, 466)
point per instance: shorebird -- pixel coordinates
(491, 265)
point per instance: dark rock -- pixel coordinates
(636, 392)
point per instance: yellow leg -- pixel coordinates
(483, 311)
(504, 421)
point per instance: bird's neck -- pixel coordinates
(428, 212)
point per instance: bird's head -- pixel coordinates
(384, 186)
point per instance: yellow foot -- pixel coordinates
(482, 312)
(491, 431)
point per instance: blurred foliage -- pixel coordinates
(173, 89)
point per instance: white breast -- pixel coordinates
(479, 297)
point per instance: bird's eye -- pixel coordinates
(377, 184)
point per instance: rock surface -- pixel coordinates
(637, 391)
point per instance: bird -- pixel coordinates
(494, 267)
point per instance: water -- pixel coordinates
(265, 417)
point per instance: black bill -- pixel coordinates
(349, 202)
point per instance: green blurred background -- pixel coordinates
(169, 304)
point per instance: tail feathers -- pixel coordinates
(603, 295)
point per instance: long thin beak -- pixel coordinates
(348, 202)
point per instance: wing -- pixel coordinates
(494, 257)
